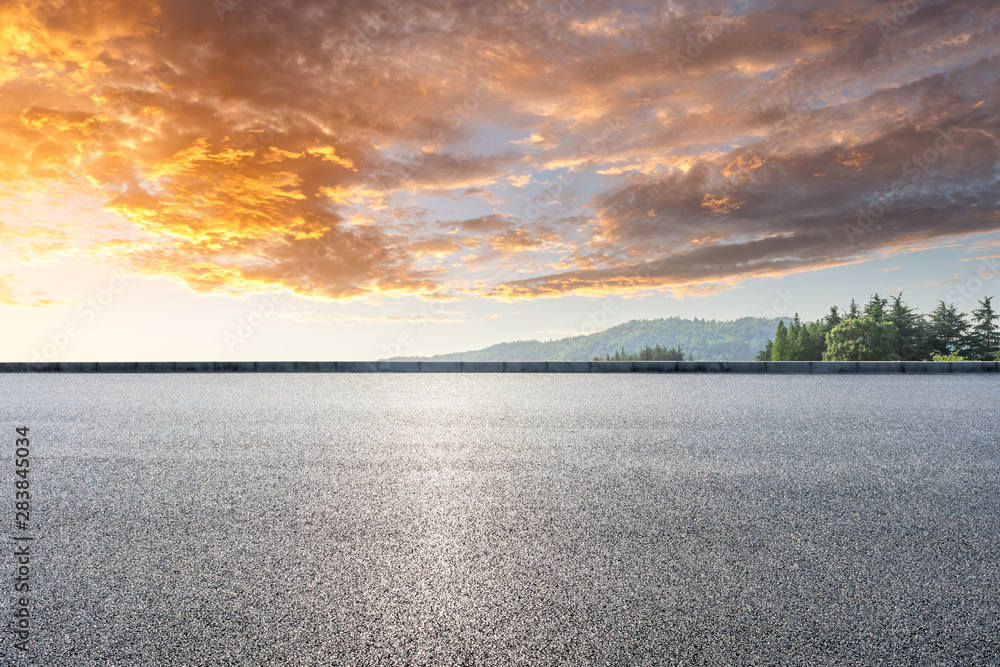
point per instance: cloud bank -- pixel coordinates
(314, 147)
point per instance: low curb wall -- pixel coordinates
(863, 367)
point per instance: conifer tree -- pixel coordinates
(876, 308)
(794, 348)
(911, 328)
(804, 346)
(779, 350)
(983, 337)
(833, 318)
(947, 329)
(852, 311)
(816, 341)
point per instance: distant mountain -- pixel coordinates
(706, 340)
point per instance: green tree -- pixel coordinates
(815, 339)
(833, 318)
(619, 355)
(983, 338)
(947, 329)
(779, 349)
(806, 345)
(798, 341)
(657, 353)
(875, 308)
(794, 349)
(852, 311)
(911, 328)
(862, 339)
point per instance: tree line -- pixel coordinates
(655, 353)
(888, 330)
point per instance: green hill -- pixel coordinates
(706, 340)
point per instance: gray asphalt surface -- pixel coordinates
(485, 519)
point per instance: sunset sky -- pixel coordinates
(305, 179)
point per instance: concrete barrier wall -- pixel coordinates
(862, 367)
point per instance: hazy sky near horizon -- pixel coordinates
(251, 179)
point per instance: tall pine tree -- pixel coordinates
(911, 329)
(833, 318)
(779, 349)
(947, 329)
(817, 341)
(794, 340)
(876, 308)
(852, 311)
(983, 339)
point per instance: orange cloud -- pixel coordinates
(260, 149)
(11, 296)
(435, 247)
